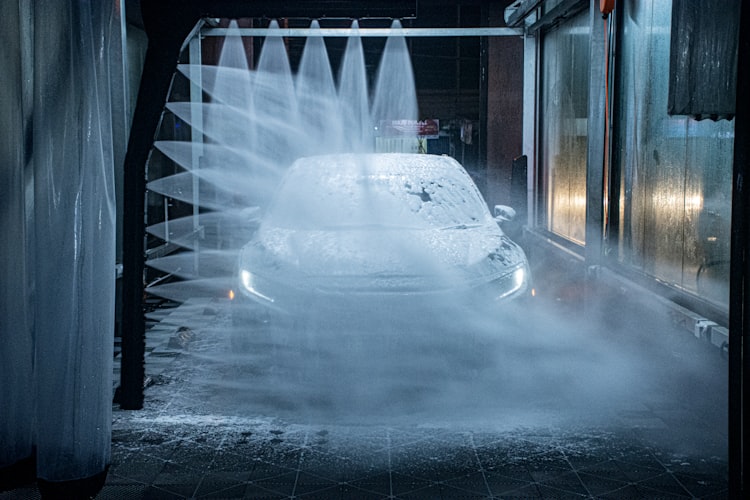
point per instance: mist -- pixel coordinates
(443, 359)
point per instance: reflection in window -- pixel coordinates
(565, 72)
(675, 172)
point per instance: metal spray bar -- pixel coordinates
(365, 32)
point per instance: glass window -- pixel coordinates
(675, 172)
(564, 98)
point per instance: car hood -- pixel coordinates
(377, 258)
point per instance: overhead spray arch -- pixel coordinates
(170, 27)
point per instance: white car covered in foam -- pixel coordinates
(346, 229)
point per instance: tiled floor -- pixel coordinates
(256, 458)
(211, 429)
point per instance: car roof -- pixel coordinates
(379, 163)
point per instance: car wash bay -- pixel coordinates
(598, 385)
(205, 432)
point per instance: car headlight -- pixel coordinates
(509, 284)
(251, 283)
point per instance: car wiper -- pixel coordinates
(461, 226)
(350, 227)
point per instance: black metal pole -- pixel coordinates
(151, 98)
(739, 301)
(166, 35)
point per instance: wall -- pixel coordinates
(504, 108)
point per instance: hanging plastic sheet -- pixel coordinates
(60, 211)
(16, 349)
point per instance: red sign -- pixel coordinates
(426, 129)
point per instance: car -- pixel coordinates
(390, 230)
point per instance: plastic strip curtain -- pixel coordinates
(16, 349)
(61, 87)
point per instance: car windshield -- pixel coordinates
(427, 196)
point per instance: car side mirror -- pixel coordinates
(504, 213)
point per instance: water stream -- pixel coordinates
(446, 358)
